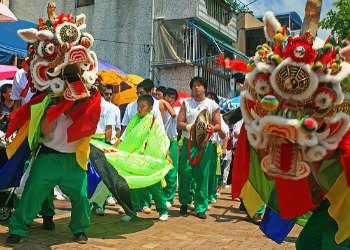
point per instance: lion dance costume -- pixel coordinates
(293, 153)
(62, 71)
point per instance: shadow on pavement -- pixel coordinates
(38, 238)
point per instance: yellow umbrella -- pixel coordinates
(124, 87)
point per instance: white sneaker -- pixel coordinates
(168, 204)
(125, 218)
(110, 201)
(191, 206)
(100, 211)
(146, 210)
(60, 197)
(208, 208)
(163, 217)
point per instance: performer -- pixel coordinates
(219, 139)
(170, 125)
(293, 149)
(56, 124)
(141, 158)
(197, 175)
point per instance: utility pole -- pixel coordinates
(312, 17)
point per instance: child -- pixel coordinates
(143, 117)
(170, 125)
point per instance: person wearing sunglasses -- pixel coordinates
(143, 88)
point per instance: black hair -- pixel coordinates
(146, 84)
(161, 89)
(199, 79)
(108, 86)
(4, 89)
(215, 96)
(171, 91)
(147, 98)
(239, 77)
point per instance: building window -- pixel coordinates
(82, 3)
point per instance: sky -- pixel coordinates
(279, 6)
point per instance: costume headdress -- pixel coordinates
(296, 109)
(63, 68)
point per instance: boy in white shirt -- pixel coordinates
(170, 125)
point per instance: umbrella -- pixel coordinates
(7, 71)
(6, 14)
(124, 87)
(226, 104)
(102, 65)
(180, 99)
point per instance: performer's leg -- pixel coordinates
(159, 198)
(319, 232)
(227, 166)
(41, 181)
(73, 182)
(137, 195)
(185, 175)
(48, 208)
(171, 177)
(212, 183)
(100, 194)
(201, 179)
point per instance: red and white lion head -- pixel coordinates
(296, 102)
(61, 61)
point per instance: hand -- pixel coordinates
(169, 159)
(188, 127)
(210, 127)
(224, 152)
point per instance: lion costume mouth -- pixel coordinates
(61, 60)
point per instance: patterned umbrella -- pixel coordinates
(7, 71)
(6, 14)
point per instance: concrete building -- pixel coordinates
(169, 41)
(250, 29)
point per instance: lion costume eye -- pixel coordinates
(262, 87)
(324, 98)
(48, 49)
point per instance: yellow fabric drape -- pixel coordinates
(251, 199)
(19, 139)
(83, 152)
(339, 209)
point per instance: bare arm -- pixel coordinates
(224, 145)
(108, 133)
(216, 121)
(181, 120)
(118, 134)
(168, 107)
(16, 105)
(162, 110)
(47, 127)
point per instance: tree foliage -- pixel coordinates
(338, 20)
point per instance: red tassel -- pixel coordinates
(241, 163)
(294, 197)
(85, 118)
(238, 66)
(345, 158)
(55, 111)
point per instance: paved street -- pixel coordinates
(224, 228)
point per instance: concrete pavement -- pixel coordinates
(224, 228)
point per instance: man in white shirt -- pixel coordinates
(143, 88)
(19, 83)
(197, 176)
(107, 95)
(170, 125)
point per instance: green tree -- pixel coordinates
(338, 20)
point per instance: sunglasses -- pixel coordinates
(140, 92)
(108, 94)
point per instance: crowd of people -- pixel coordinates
(198, 183)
